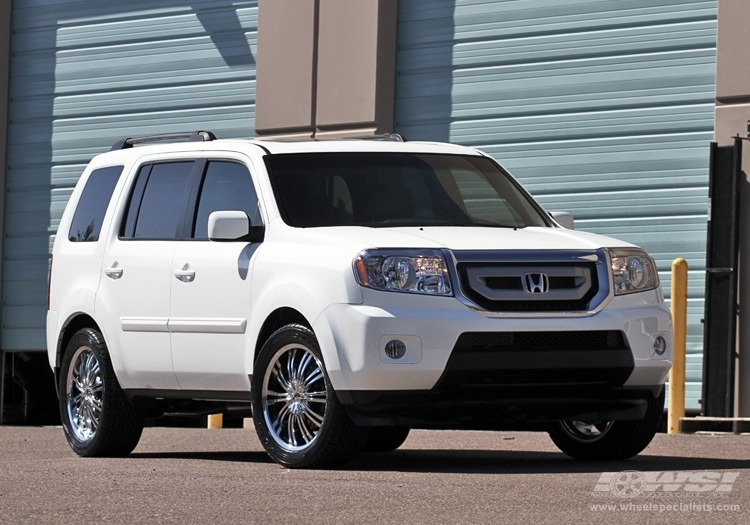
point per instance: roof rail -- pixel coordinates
(192, 136)
(387, 137)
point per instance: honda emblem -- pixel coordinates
(536, 283)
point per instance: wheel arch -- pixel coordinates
(68, 330)
(275, 320)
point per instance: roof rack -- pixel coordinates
(192, 136)
(388, 137)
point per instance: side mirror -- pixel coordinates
(564, 219)
(233, 225)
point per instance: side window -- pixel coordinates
(89, 214)
(226, 186)
(157, 205)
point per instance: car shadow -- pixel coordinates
(527, 462)
(477, 462)
(234, 456)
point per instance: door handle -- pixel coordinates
(185, 274)
(114, 271)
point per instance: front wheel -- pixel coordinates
(297, 416)
(608, 440)
(98, 420)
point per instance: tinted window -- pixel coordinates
(226, 186)
(157, 206)
(398, 189)
(89, 214)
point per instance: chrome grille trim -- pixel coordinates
(491, 282)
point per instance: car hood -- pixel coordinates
(461, 238)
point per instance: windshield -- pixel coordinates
(397, 189)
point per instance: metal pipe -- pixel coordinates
(678, 305)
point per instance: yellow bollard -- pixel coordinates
(216, 421)
(676, 409)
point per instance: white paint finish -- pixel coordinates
(208, 315)
(133, 311)
(186, 314)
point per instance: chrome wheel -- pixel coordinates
(84, 394)
(609, 440)
(586, 431)
(294, 397)
(297, 415)
(97, 417)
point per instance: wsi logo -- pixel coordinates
(631, 483)
(536, 283)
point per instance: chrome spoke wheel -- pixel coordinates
(586, 431)
(84, 388)
(294, 397)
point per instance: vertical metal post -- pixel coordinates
(678, 305)
(722, 257)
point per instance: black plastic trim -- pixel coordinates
(196, 395)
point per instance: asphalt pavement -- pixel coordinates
(189, 475)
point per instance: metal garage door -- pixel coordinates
(603, 108)
(85, 73)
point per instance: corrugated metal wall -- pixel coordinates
(603, 108)
(85, 73)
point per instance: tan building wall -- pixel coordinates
(732, 117)
(325, 67)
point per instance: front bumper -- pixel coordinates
(460, 364)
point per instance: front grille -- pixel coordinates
(513, 287)
(539, 341)
(503, 362)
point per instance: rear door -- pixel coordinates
(133, 300)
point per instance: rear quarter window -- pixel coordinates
(92, 206)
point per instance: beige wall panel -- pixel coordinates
(347, 62)
(285, 67)
(730, 121)
(356, 64)
(732, 59)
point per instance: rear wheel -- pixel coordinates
(608, 440)
(297, 416)
(97, 418)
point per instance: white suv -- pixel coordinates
(344, 291)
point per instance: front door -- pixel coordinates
(210, 292)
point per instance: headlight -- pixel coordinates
(633, 270)
(410, 271)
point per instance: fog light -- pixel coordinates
(660, 345)
(395, 349)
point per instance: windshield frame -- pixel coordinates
(294, 180)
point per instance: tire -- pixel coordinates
(386, 439)
(98, 420)
(608, 440)
(297, 416)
